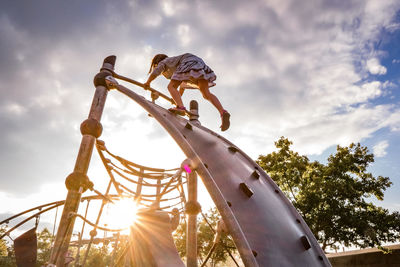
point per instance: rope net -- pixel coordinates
(152, 188)
(149, 188)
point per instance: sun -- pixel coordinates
(122, 213)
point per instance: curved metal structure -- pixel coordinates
(266, 228)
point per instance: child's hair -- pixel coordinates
(156, 59)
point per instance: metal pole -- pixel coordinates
(78, 182)
(81, 236)
(115, 249)
(93, 232)
(192, 209)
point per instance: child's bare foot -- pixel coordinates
(178, 110)
(225, 116)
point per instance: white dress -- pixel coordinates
(187, 68)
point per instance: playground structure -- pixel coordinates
(265, 227)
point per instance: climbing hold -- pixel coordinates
(233, 149)
(306, 243)
(189, 126)
(256, 174)
(244, 187)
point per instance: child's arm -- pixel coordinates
(150, 79)
(157, 71)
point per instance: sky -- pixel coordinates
(319, 72)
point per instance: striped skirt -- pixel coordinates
(191, 69)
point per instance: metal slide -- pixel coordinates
(266, 228)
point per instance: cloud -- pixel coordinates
(284, 68)
(309, 74)
(379, 149)
(183, 32)
(374, 67)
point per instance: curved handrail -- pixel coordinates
(54, 204)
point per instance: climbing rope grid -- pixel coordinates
(150, 189)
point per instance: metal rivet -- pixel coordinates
(246, 189)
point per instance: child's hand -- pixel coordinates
(146, 85)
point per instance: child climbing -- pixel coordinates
(187, 71)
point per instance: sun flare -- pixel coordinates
(122, 213)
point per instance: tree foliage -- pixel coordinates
(332, 197)
(205, 238)
(44, 239)
(7, 258)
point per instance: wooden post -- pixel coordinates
(139, 185)
(77, 182)
(158, 191)
(192, 211)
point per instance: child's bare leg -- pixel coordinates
(203, 85)
(181, 90)
(173, 90)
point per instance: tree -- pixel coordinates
(7, 258)
(3, 245)
(332, 197)
(44, 240)
(99, 256)
(205, 238)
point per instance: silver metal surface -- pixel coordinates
(191, 228)
(266, 228)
